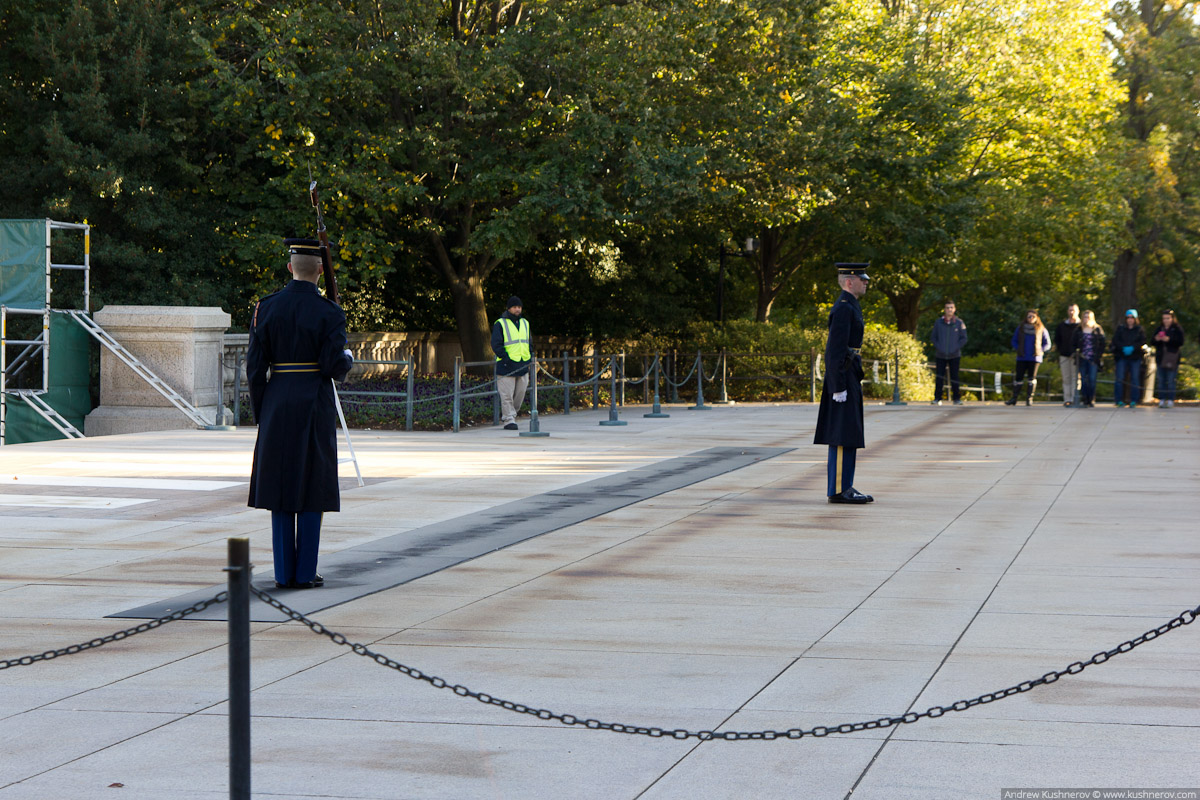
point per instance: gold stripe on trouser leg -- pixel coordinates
(837, 478)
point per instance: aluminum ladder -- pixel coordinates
(140, 369)
(34, 400)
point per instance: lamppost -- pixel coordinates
(751, 247)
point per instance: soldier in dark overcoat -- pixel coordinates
(298, 339)
(840, 418)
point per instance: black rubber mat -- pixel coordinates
(373, 567)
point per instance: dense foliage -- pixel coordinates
(597, 157)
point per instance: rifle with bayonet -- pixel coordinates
(326, 260)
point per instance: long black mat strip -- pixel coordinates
(375, 566)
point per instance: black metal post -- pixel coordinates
(595, 380)
(237, 390)
(656, 412)
(721, 287)
(534, 428)
(408, 393)
(699, 385)
(239, 569)
(674, 372)
(896, 401)
(457, 391)
(566, 381)
(613, 417)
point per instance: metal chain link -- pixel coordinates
(25, 661)
(1186, 618)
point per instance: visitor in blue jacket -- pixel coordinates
(1031, 340)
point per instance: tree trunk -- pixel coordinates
(1124, 284)
(474, 330)
(907, 307)
(766, 270)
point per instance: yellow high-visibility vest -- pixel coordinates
(516, 339)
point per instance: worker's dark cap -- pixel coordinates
(303, 247)
(854, 268)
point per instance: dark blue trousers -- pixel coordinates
(841, 468)
(295, 539)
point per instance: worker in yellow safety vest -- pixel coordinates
(510, 343)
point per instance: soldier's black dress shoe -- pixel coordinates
(853, 496)
(315, 582)
(279, 585)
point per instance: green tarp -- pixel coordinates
(70, 359)
(23, 263)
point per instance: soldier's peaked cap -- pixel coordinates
(854, 268)
(303, 247)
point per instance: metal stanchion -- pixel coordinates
(613, 418)
(496, 396)
(656, 412)
(813, 361)
(896, 401)
(219, 423)
(621, 402)
(566, 381)
(595, 380)
(534, 428)
(674, 380)
(724, 397)
(239, 569)
(408, 394)
(457, 390)
(699, 385)
(237, 389)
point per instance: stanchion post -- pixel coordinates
(613, 418)
(495, 393)
(566, 381)
(408, 393)
(656, 412)
(457, 388)
(812, 375)
(724, 396)
(674, 380)
(595, 380)
(238, 571)
(622, 382)
(534, 427)
(896, 401)
(699, 385)
(237, 389)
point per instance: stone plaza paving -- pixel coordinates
(1004, 544)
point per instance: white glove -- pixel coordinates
(839, 397)
(347, 352)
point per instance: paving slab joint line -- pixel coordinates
(1185, 618)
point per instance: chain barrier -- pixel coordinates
(25, 661)
(1186, 618)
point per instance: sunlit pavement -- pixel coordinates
(1004, 544)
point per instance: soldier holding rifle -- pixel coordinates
(298, 339)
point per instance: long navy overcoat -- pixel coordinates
(842, 423)
(295, 457)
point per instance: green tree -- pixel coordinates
(454, 135)
(1157, 58)
(979, 155)
(96, 123)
